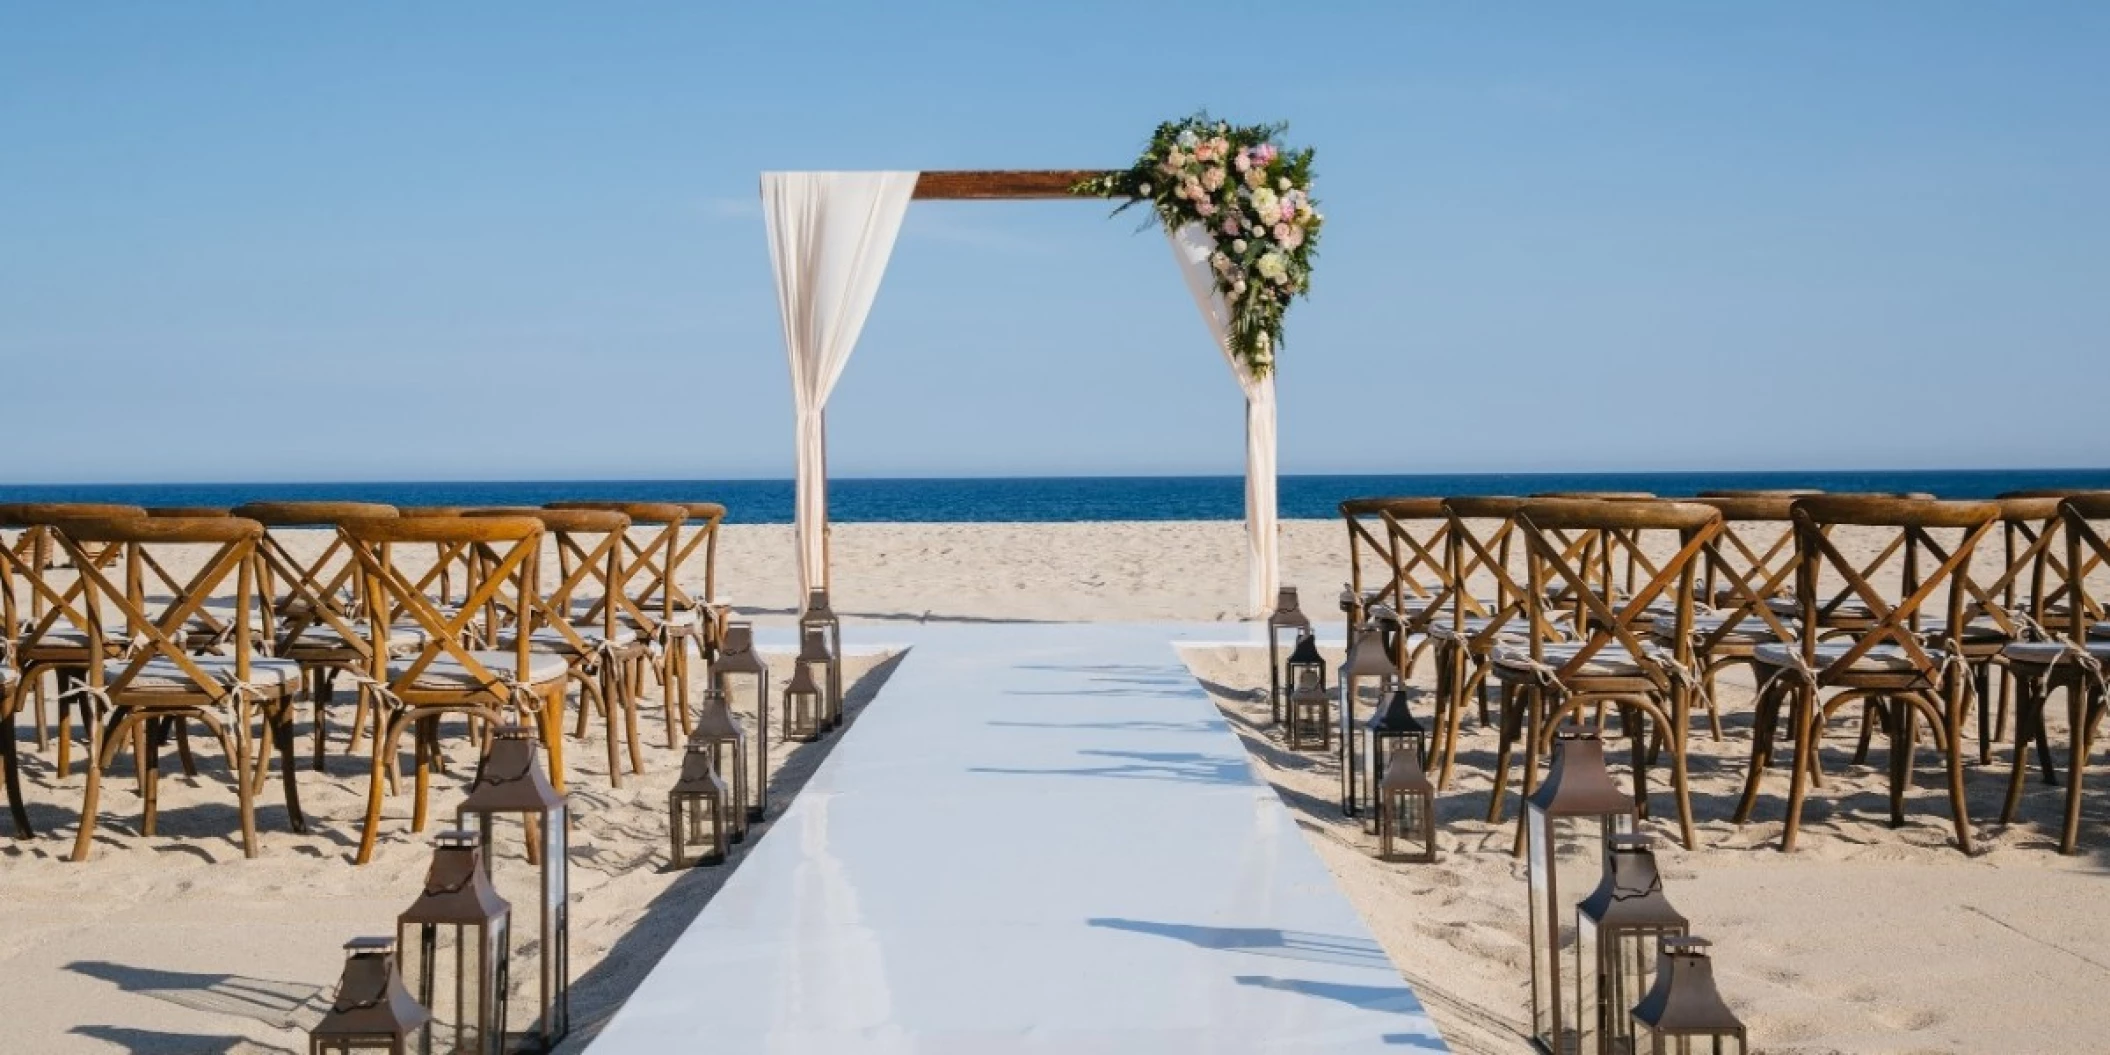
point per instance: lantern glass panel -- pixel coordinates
(510, 781)
(1570, 822)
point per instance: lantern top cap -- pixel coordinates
(456, 890)
(510, 779)
(1579, 785)
(1306, 650)
(1684, 1000)
(1630, 895)
(1396, 715)
(1287, 612)
(802, 680)
(367, 945)
(739, 637)
(817, 605)
(1367, 656)
(1403, 772)
(458, 839)
(371, 1000)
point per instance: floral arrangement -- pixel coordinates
(1252, 196)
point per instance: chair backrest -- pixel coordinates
(1751, 562)
(315, 592)
(650, 559)
(158, 629)
(1479, 548)
(1405, 540)
(2082, 517)
(589, 547)
(704, 520)
(509, 550)
(52, 601)
(1922, 563)
(1607, 619)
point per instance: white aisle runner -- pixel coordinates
(1038, 838)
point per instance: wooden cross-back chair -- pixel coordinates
(158, 678)
(1612, 659)
(1406, 540)
(1885, 666)
(652, 601)
(448, 674)
(599, 652)
(705, 518)
(1589, 551)
(315, 604)
(52, 635)
(1477, 549)
(1750, 563)
(2071, 659)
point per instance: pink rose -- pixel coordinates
(1281, 232)
(1213, 178)
(1292, 238)
(1230, 225)
(1205, 209)
(1241, 163)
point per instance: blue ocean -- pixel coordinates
(1050, 499)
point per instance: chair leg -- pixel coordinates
(2029, 710)
(1904, 743)
(552, 722)
(1681, 786)
(242, 789)
(1959, 808)
(614, 684)
(1764, 720)
(1507, 737)
(1982, 697)
(1805, 713)
(91, 794)
(375, 785)
(2079, 722)
(11, 763)
(424, 741)
(289, 763)
(147, 756)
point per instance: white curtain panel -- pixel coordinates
(830, 234)
(1192, 246)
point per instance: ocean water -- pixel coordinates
(1049, 499)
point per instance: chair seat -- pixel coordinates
(279, 676)
(1981, 630)
(1443, 629)
(1750, 628)
(323, 637)
(448, 673)
(583, 612)
(1848, 611)
(2044, 653)
(1882, 659)
(553, 641)
(1611, 661)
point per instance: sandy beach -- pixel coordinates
(1865, 940)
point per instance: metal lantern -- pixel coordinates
(510, 780)
(738, 659)
(719, 732)
(1305, 669)
(1569, 824)
(698, 806)
(1368, 661)
(804, 709)
(1406, 808)
(819, 617)
(1392, 726)
(814, 655)
(372, 1011)
(1286, 616)
(1310, 717)
(455, 940)
(1684, 1013)
(1617, 929)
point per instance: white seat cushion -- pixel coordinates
(447, 673)
(1749, 629)
(583, 612)
(323, 637)
(552, 640)
(2046, 652)
(163, 675)
(1612, 660)
(1884, 658)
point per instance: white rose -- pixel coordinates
(1283, 183)
(1238, 245)
(1273, 266)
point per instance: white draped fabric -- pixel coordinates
(1192, 246)
(830, 234)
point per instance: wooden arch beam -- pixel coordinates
(996, 184)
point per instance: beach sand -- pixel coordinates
(1867, 939)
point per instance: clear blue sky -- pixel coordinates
(286, 242)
